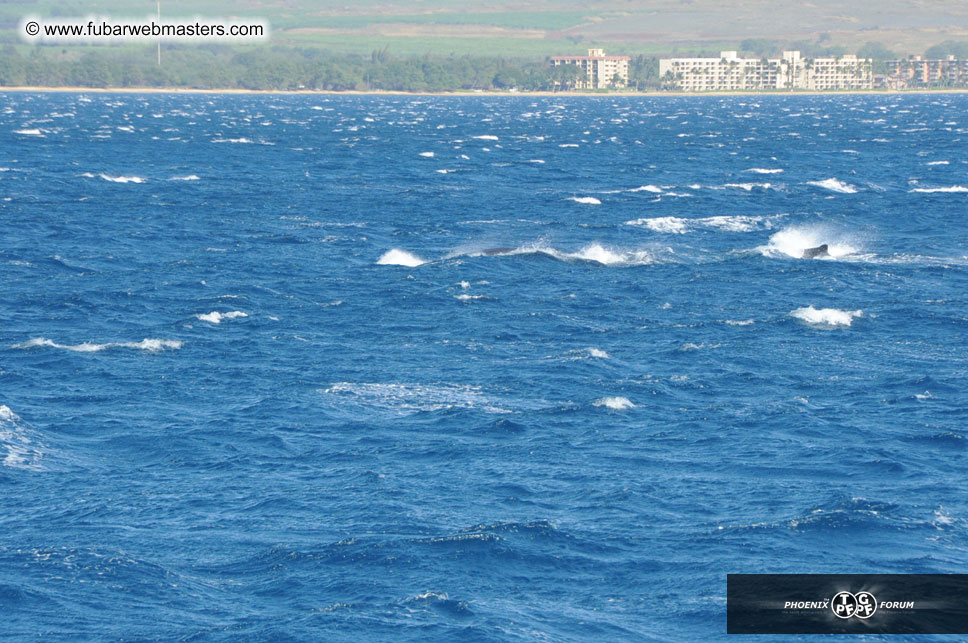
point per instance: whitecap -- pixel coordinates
(396, 257)
(428, 155)
(215, 317)
(647, 188)
(23, 452)
(29, 132)
(148, 344)
(615, 403)
(834, 185)
(190, 177)
(826, 317)
(486, 137)
(121, 179)
(407, 398)
(760, 170)
(950, 189)
(793, 241)
(587, 200)
(748, 186)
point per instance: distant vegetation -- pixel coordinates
(212, 67)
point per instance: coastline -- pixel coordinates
(323, 92)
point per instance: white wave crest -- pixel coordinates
(615, 403)
(654, 189)
(151, 345)
(828, 317)
(679, 225)
(397, 257)
(428, 155)
(190, 177)
(28, 132)
(22, 451)
(215, 317)
(953, 189)
(412, 398)
(593, 253)
(122, 179)
(588, 200)
(486, 137)
(792, 241)
(760, 170)
(748, 186)
(834, 185)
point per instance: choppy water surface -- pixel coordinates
(476, 368)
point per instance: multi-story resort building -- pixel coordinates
(601, 71)
(917, 72)
(730, 72)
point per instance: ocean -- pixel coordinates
(471, 368)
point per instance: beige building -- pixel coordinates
(917, 72)
(732, 73)
(601, 71)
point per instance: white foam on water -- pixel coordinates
(937, 163)
(444, 171)
(215, 317)
(592, 253)
(647, 188)
(407, 398)
(470, 297)
(669, 225)
(728, 223)
(190, 177)
(826, 317)
(748, 186)
(28, 132)
(568, 145)
(792, 241)
(464, 284)
(587, 200)
(539, 161)
(151, 345)
(486, 137)
(950, 189)
(599, 353)
(743, 322)
(397, 257)
(615, 403)
(760, 170)
(428, 155)
(834, 185)
(22, 451)
(232, 140)
(121, 179)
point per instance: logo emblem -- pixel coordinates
(861, 605)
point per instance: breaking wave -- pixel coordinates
(953, 189)
(791, 242)
(151, 345)
(21, 451)
(215, 317)
(679, 225)
(834, 185)
(615, 403)
(587, 200)
(592, 253)
(827, 317)
(396, 257)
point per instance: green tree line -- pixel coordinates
(280, 68)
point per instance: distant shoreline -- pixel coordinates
(323, 92)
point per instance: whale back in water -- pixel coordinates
(819, 251)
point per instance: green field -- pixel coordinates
(538, 28)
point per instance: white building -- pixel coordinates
(729, 72)
(601, 71)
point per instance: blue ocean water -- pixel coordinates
(476, 368)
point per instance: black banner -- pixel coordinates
(847, 603)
